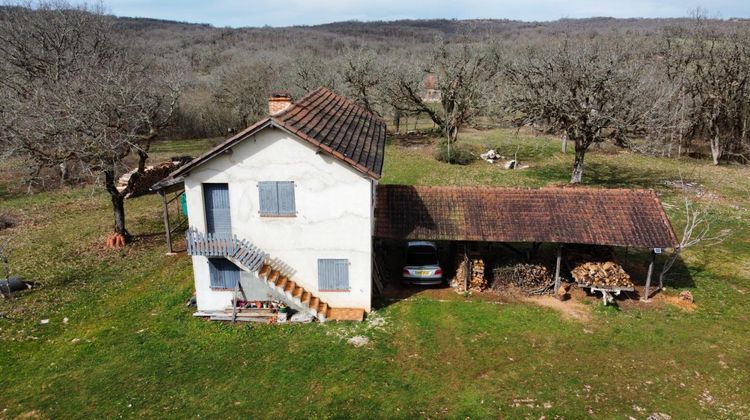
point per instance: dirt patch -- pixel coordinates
(415, 140)
(570, 309)
(676, 301)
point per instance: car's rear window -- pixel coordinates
(421, 255)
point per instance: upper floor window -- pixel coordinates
(276, 198)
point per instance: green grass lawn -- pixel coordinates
(131, 348)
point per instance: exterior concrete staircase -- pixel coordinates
(252, 259)
(294, 292)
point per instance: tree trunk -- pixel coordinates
(142, 158)
(578, 164)
(716, 149)
(565, 143)
(64, 172)
(118, 203)
(397, 120)
(451, 133)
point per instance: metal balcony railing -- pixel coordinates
(224, 245)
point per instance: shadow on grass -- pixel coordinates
(636, 265)
(605, 174)
(614, 176)
(680, 276)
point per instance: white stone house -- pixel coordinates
(286, 207)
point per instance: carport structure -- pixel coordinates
(570, 215)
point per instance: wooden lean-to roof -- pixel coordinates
(335, 125)
(616, 217)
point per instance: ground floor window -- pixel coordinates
(333, 274)
(224, 274)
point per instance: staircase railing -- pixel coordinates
(252, 258)
(224, 245)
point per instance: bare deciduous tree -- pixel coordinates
(465, 79)
(76, 94)
(714, 69)
(309, 72)
(244, 89)
(697, 230)
(591, 90)
(362, 76)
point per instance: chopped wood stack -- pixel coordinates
(150, 176)
(115, 240)
(530, 278)
(477, 281)
(601, 274)
(461, 268)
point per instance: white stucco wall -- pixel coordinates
(334, 214)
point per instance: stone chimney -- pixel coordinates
(279, 101)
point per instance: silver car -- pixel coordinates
(422, 265)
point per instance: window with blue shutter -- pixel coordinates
(333, 274)
(224, 274)
(269, 198)
(216, 204)
(276, 198)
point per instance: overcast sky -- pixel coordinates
(238, 13)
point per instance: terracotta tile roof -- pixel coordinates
(615, 217)
(341, 127)
(331, 122)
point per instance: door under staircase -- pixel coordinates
(252, 259)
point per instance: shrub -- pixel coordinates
(460, 154)
(7, 221)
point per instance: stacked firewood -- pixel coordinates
(461, 268)
(530, 278)
(601, 274)
(150, 176)
(115, 240)
(477, 281)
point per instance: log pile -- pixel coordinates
(601, 274)
(461, 268)
(474, 267)
(151, 175)
(115, 241)
(529, 278)
(477, 281)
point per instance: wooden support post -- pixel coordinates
(166, 222)
(467, 261)
(648, 277)
(234, 301)
(557, 268)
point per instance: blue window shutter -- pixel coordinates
(333, 274)
(342, 274)
(268, 197)
(224, 274)
(286, 198)
(216, 204)
(325, 270)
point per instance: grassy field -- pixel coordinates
(121, 343)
